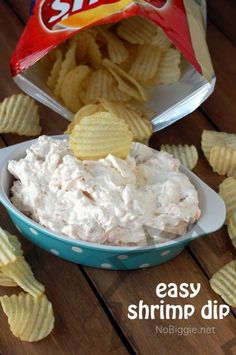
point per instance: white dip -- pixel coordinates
(105, 201)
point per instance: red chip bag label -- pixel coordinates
(54, 21)
(54, 11)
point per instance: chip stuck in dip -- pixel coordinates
(110, 200)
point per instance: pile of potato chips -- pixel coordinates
(220, 150)
(111, 68)
(116, 62)
(30, 314)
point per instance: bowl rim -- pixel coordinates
(4, 199)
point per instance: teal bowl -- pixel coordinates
(106, 256)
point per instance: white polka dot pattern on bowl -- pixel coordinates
(33, 231)
(165, 252)
(54, 251)
(122, 257)
(144, 265)
(77, 249)
(106, 266)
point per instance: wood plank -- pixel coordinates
(222, 13)
(221, 106)
(21, 8)
(74, 328)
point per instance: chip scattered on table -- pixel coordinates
(30, 317)
(187, 154)
(21, 273)
(223, 282)
(6, 280)
(19, 114)
(227, 190)
(232, 227)
(223, 160)
(99, 135)
(7, 250)
(212, 139)
(15, 243)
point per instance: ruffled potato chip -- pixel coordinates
(70, 88)
(81, 48)
(187, 154)
(99, 135)
(227, 190)
(223, 282)
(19, 114)
(15, 243)
(232, 227)
(133, 50)
(86, 110)
(94, 53)
(136, 30)
(8, 252)
(30, 317)
(6, 281)
(20, 271)
(223, 160)
(211, 139)
(138, 124)
(126, 83)
(54, 73)
(145, 64)
(168, 71)
(68, 63)
(117, 51)
(101, 84)
(160, 39)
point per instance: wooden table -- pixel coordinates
(91, 305)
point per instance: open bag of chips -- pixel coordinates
(148, 55)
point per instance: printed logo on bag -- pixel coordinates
(55, 11)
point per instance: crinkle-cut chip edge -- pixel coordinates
(187, 154)
(30, 317)
(20, 271)
(223, 282)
